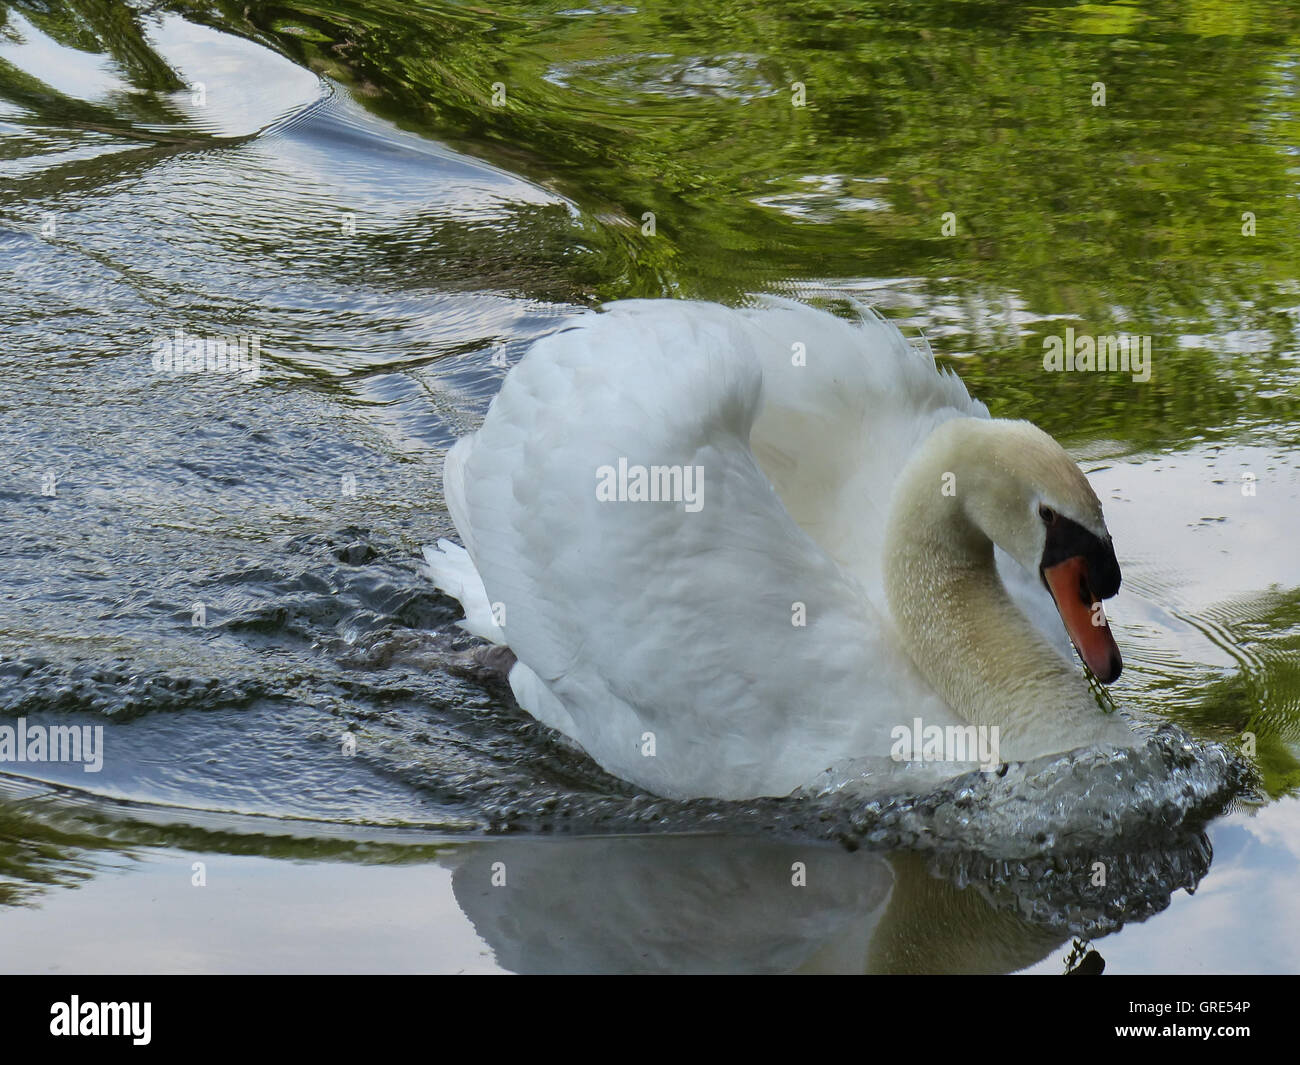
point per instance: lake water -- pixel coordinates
(380, 207)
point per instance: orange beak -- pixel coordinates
(1084, 618)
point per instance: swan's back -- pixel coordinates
(846, 404)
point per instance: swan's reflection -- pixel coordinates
(987, 873)
(727, 904)
(668, 903)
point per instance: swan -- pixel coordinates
(734, 548)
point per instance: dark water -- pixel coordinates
(221, 568)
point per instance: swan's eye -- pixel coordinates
(1047, 514)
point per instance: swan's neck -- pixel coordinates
(957, 621)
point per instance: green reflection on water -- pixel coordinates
(1262, 696)
(1116, 219)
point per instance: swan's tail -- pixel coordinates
(452, 570)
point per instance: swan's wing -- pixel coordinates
(670, 631)
(847, 403)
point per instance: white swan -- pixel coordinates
(834, 579)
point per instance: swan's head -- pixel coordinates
(1031, 500)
